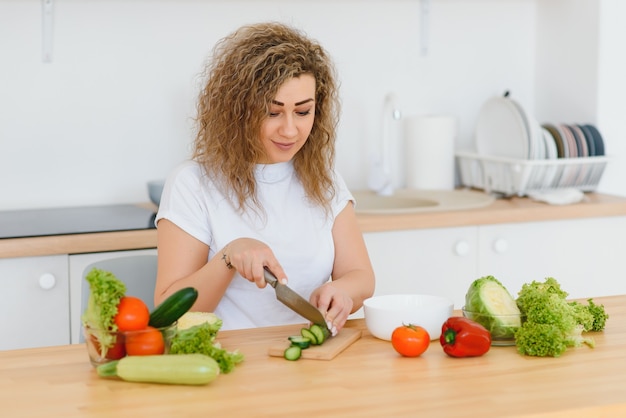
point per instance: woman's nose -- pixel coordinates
(288, 128)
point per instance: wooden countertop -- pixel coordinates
(501, 211)
(368, 379)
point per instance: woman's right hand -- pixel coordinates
(249, 256)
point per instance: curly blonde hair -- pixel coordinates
(246, 71)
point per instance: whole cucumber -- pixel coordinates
(172, 308)
(176, 369)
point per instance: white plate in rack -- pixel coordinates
(501, 130)
(551, 154)
(536, 150)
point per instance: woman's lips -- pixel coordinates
(284, 146)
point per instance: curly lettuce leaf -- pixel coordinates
(552, 323)
(105, 292)
(202, 339)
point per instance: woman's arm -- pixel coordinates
(182, 262)
(352, 276)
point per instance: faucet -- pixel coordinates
(383, 156)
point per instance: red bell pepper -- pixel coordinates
(462, 337)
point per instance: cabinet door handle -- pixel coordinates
(462, 248)
(500, 246)
(47, 281)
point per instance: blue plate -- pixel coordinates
(599, 143)
(591, 143)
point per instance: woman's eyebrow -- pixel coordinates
(277, 103)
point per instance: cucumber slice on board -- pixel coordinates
(307, 333)
(293, 352)
(300, 341)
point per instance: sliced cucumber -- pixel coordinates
(307, 333)
(326, 332)
(320, 336)
(300, 341)
(293, 352)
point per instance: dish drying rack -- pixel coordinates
(510, 176)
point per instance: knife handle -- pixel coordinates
(269, 277)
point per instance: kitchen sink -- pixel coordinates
(416, 201)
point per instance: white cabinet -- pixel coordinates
(428, 261)
(34, 296)
(41, 298)
(585, 255)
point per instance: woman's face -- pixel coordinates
(289, 123)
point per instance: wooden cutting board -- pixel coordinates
(327, 351)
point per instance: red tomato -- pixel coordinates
(410, 340)
(132, 314)
(116, 352)
(146, 342)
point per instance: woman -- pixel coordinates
(261, 190)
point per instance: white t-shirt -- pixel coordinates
(299, 234)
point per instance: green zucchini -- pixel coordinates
(177, 369)
(172, 308)
(293, 352)
(300, 341)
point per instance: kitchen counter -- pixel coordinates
(135, 231)
(368, 379)
(510, 210)
(501, 211)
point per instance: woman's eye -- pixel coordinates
(304, 112)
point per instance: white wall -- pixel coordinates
(567, 61)
(580, 67)
(112, 110)
(611, 110)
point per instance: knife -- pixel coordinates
(295, 302)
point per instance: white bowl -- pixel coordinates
(385, 313)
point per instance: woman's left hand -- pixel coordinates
(334, 303)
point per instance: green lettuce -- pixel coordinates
(552, 323)
(105, 292)
(202, 339)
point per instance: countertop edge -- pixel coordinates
(78, 244)
(512, 210)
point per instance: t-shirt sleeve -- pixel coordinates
(342, 195)
(182, 204)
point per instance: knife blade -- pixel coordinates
(294, 301)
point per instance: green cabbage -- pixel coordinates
(490, 304)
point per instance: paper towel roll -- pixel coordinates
(429, 151)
